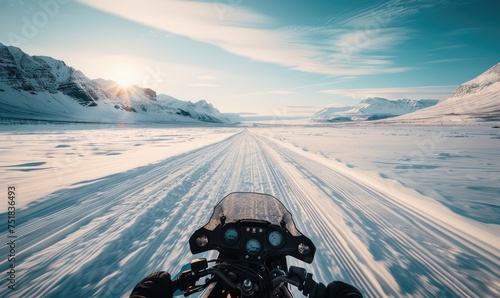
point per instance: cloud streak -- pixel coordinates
(348, 48)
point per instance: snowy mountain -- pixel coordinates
(43, 88)
(372, 109)
(473, 101)
(234, 117)
(201, 110)
(325, 113)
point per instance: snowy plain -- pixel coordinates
(397, 211)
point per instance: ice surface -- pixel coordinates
(395, 211)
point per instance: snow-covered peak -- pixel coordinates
(60, 70)
(202, 102)
(44, 87)
(374, 100)
(23, 72)
(329, 110)
(474, 100)
(372, 108)
(206, 106)
(200, 110)
(486, 79)
(17, 54)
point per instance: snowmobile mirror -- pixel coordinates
(201, 240)
(303, 249)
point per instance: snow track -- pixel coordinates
(99, 238)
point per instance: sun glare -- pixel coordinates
(125, 75)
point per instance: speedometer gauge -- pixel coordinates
(275, 239)
(253, 247)
(231, 236)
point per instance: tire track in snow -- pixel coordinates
(426, 256)
(98, 240)
(73, 239)
(314, 218)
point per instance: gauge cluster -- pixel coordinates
(252, 240)
(254, 227)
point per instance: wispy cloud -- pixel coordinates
(362, 36)
(383, 14)
(346, 51)
(464, 31)
(446, 48)
(423, 92)
(448, 60)
(346, 48)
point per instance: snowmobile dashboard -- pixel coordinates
(252, 227)
(252, 241)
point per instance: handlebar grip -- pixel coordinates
(182, 283)
(176, 287)
(308, 286)
(318, 290)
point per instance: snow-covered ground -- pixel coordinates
(458, 166)
(40, 160)
(105, 206)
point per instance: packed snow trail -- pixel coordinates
(98, 238)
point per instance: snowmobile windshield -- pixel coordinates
(251, 206)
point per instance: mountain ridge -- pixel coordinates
(46, 88)
(477, 100)
(372, 108)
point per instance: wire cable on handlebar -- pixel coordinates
(221, 271)
(245, 270)
(283, 278)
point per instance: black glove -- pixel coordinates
(338, 289)
(156, 285)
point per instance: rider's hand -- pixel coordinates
(338, 289)
(156, 285)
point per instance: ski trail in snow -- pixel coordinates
(99, 239)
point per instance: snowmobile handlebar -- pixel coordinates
(253, 233)
(186, 283)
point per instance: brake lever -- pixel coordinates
(184, 282)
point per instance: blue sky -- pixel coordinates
(278, 58)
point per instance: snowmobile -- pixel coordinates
(253, 234)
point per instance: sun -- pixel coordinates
(125, 75)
